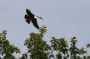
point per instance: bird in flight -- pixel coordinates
(30, 17)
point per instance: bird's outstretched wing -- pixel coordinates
(34, 21)
(27, 19)
(29, 12)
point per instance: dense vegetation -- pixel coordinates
(38, 48)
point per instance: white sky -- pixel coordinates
(63, 18)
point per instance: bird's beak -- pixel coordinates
(38, 17)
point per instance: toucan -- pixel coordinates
(30, 17)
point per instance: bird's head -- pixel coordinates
(38, 17)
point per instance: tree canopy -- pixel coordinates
(38, 48)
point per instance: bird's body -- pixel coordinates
(30, 17)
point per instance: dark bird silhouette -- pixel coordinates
(30, 17)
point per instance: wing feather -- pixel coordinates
(27, 19)
(29, 12)
(34, 21)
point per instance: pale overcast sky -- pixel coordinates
(63, 18)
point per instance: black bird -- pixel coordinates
(30, 17)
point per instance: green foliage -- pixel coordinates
(74, 51)
(60, 46)
(37, 47)
(6, 49)
(24, 56)
(59, 49)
